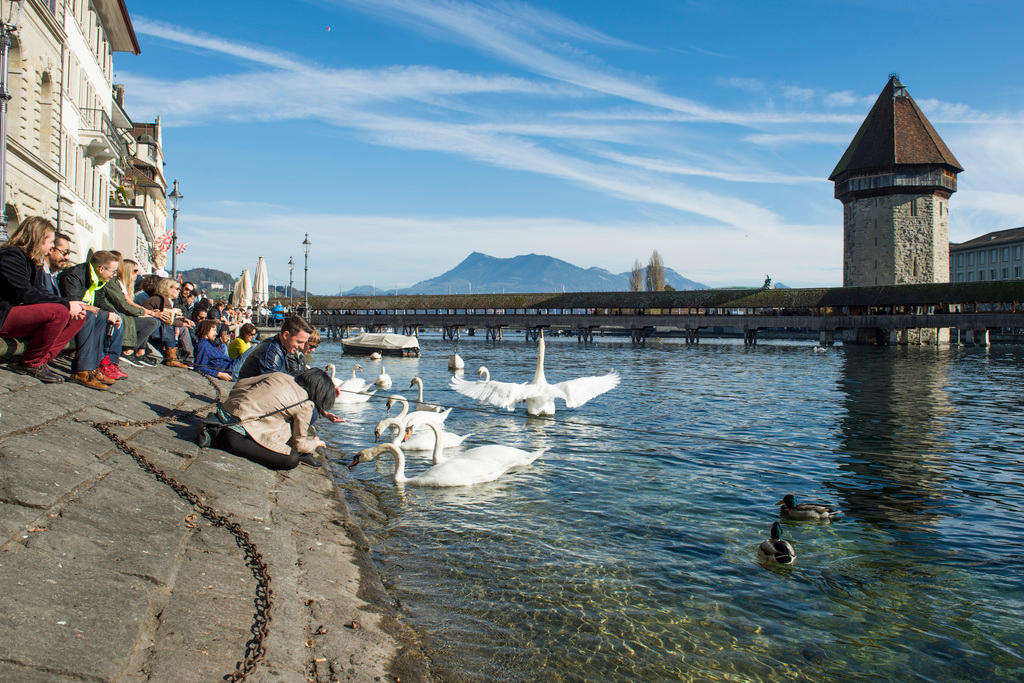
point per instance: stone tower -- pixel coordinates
(894, 181)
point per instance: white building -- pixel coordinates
(996, 255)
(89, 121)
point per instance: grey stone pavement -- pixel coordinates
(104, 576)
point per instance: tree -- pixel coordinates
(655, 273)
(636, 277)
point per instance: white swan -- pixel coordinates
(475, 466)
(820, 349)
(353, 390)
(417, 419)
(383, 380)
(455, 362)
(375, 355)
(423, 440)
(420, 405)
(538, 394)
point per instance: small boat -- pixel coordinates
(386, 344)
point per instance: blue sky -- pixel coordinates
(405, 134)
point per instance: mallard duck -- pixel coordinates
(806, 511)
(775, 550)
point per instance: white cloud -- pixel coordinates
(847, 98)
(731, 175)
(801, 138)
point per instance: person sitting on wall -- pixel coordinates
(29, 310)
(274, 413)
(240, 344)
(210, 358)
(223, 338)
(271, 355)
(162, 302)
(99, 342)
(139, 323)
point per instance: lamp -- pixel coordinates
(305, 278)
(291, 268)
(175, 197)
(10, 14)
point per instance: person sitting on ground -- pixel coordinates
(28, 310)
(275, 412)
(210, 358)
(271, 355)
(187, 299)
(162, 302)
(98, 344)
(311, 344)
(139, 323)
(240, 344)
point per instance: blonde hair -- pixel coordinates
(164, 288)
(126, 274)
(30, 235)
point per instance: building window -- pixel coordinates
(1006, 254)
(981, 258)
(959, 259)
(970, 276)
(995, 255)
(1016, 271)
(959, 277)
(981, 275)
(992, 274)
(1006, 273)
(1016, 253)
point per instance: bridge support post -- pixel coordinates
(692, 336)
(585, 335)
(637, 336)
(750, 337)
(827, 338)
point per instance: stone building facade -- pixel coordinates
(995, 255)
(33, 115)
(895, 180)
(90, 137)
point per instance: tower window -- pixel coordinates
(913, 206)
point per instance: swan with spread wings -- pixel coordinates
(538, 395)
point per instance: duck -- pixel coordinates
(538, 395)
(455, 362)
(817, 512)
(353, 390)
(420, 405)
(383, 380)
(774, 550)
(475, 466)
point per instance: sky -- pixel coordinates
(402, 135)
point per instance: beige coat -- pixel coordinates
(284, 432)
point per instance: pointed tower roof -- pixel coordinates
(895, 132)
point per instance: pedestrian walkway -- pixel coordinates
(107, 574)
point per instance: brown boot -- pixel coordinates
(99, 376)
(171, 359)
(86, 378)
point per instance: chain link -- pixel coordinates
(255, 649)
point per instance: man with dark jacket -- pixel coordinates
(273, 354)
(100, 340)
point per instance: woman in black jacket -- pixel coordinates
(26, 309)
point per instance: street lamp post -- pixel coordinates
(175, 198)
(305, 278)
(291, 269)
(10, 13)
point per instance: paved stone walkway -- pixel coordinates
(104, 577)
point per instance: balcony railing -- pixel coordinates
(930, 178)
(98, 135)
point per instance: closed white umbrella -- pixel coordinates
(260, 284)
(236, 293)
(243, 289)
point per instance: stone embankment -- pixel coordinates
(108, 574)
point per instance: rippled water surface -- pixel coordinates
(627, 552)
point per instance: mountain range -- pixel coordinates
(482, 274)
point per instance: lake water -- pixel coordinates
(628, 552)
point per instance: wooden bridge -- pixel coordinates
(929, 313)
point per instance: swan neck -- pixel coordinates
(399, 476)
(486, 374)
(438, 456)
(419, 390)
(538, 376)
(405, 408)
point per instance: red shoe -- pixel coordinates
(112, 371)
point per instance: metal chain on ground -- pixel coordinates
(255, 649)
